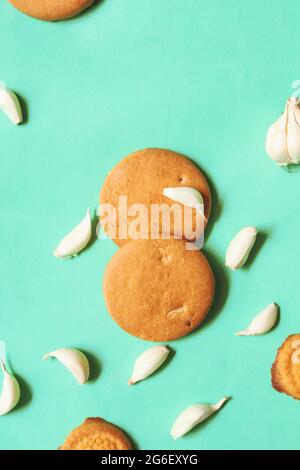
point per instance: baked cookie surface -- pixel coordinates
(96, 434)
(286, 368)
(142, 176)
(157, 290)
(51, 10)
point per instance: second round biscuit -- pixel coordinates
(157, 290)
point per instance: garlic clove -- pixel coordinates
(75, 361)
(10, 393)
(240, 247)
(76, 240)
(293, 131)
(263, 322)
(148, 362)
(10, 104)
(187, 196)
(276, 141)
(192, 416)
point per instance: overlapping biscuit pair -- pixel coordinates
(286, 368)
(156, 289)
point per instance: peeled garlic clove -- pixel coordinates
(73, 360)
(193, 416)
(10, 104)
(187, 196)
(10, 393)
(76, 240)
(240, 247)
(263, 322)
(148, 362)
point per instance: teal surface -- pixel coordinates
(202, 78)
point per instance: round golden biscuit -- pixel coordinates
(142, 176)
(157, 290)
(51, 10)
(96, 434)
(286, 368)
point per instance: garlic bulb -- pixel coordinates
(10, 393)
(193, 416)
(10, 104)
(262, 323)
(283, 137)
(187, 196)
(76, 240)
(148, 362)
(240, 247)
(73, 360)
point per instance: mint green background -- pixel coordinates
(202, 78)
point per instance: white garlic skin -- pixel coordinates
(283, 137)
(148, 362)
(240, 247)
(76, 240)
(10, 104)
(192, 416)
(10, 393)
(263, 322)
(74, 360)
